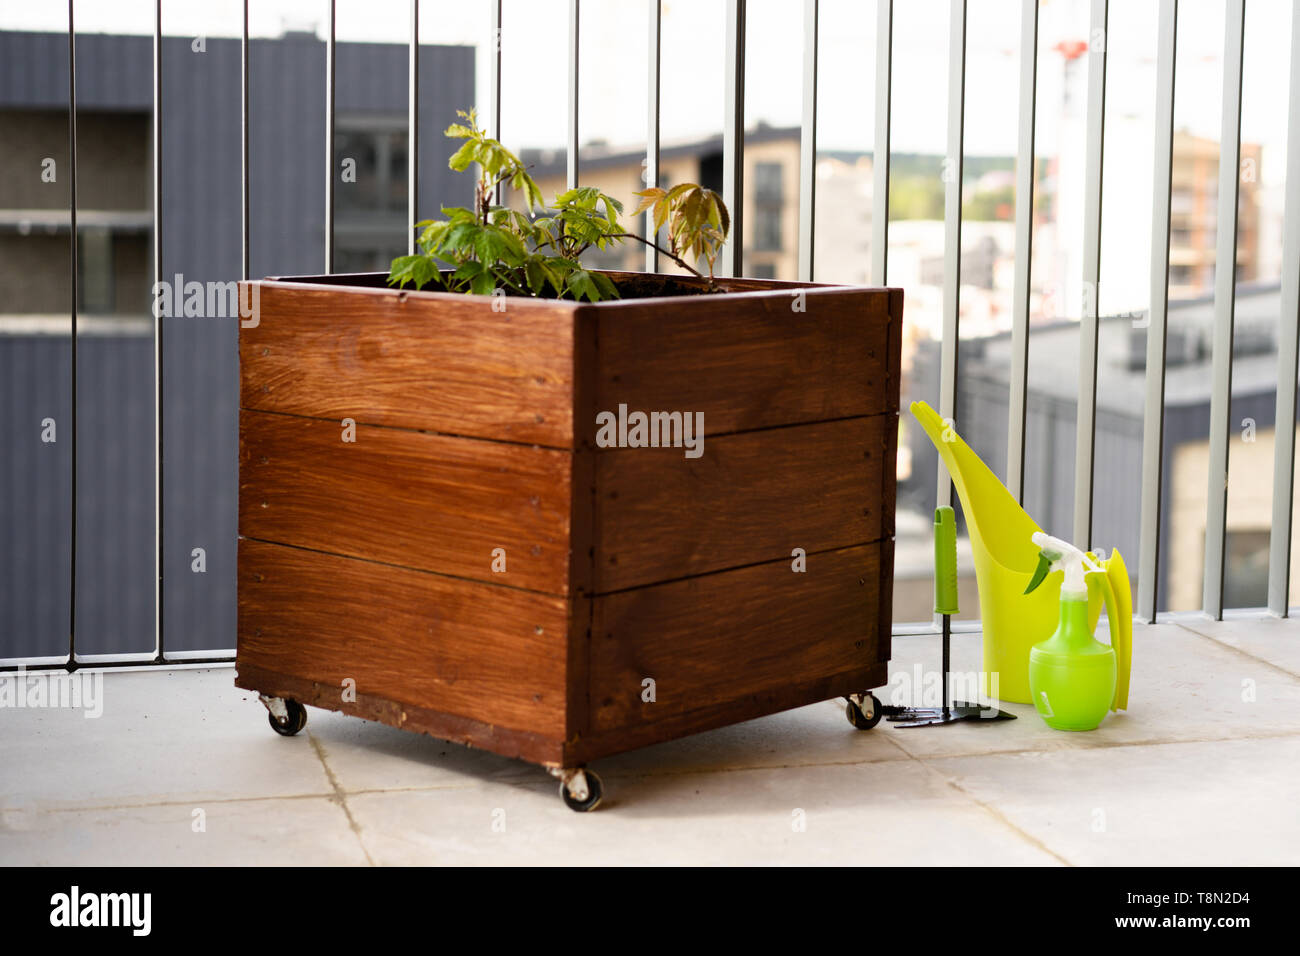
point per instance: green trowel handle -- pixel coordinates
(945, 561)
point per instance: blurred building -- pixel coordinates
(771, 221)
(1193, 214)
(981, 419)
(201, 206)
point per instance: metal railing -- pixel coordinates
(1149, 558)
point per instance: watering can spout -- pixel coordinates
(1005, 556)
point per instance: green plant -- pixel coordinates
(697, 219)
(537, 251)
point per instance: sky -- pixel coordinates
(613, 79)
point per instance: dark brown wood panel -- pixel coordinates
(465, 730)
(750, 497)
(724, 637)
(582, 517)
(423, 501)
(749, 361)
(893, 381)
(492, 654)
(708, 716)
(435, 361)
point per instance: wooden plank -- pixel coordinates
(749, 361)
(492, 654)
(889, 495)
(710, 716)
(582, 524)
(893, 383)
(750, 497)
(725, 637)
(422, 360)
(423, 501)
(885, 606)
(465, 730)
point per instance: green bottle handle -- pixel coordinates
(1121, 636)
(945, 561)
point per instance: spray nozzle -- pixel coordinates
(1055, 554)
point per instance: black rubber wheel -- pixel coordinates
(295, 720)
(595, 790)
(860, 720)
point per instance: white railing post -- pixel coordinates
(1225, 289)
(1024, 249)
(953, 164)
(1153, 416)
(1086, 428)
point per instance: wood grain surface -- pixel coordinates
(751, 497)
(722, 637)
(476, 430)
(423, 501)
(434, 361)
(749, 361)
(490, 653)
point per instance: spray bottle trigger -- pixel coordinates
(1044, 568)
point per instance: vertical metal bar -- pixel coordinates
(1025, 163)
(494, 91)
(808, 144)
(733, 139)
(1225, 283)
(1288, 351)
(1153, 418)
(243, 116)
(76, 291)
(880, 151)
(653, 54)
(572, 138)
(413, 131)
(330, 172)
(494, 83)
(953, 164)
(159, 514)
(1086, 422)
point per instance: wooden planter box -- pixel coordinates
(375, 563)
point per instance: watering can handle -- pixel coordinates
(1119, 637)
(945, 560)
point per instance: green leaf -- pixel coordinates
(426, 271)
(649, 197)
(470, 269)
(400, 272)
(535, 274)
(606, 285)
(724, 217)
(612, 208)
(661, 215)
(467, 154)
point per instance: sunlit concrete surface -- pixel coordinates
(182, 768)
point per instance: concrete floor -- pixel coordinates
(1202, 770)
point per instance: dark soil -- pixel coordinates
(653, 286)
(629, 285)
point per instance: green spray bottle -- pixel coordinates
(1072, 675)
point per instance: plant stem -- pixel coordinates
(660, 249)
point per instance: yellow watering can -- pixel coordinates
(1001, 537)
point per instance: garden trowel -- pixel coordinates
(945, 603)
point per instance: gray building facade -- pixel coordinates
(110, 578)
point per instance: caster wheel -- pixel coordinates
(861, 720)
(594, 792)
(295, 719)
